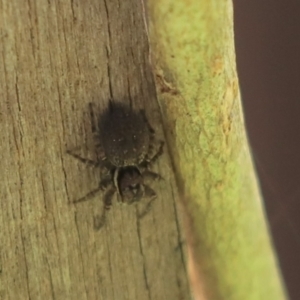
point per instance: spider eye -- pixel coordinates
(134, 188)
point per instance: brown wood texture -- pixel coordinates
(56, 57)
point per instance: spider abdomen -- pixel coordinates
(125, 136)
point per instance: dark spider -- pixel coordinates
(128, 145)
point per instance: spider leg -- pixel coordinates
(103, 185)
(152, 131)
(99, 221)
(149, 160)
(86, 160)
(150, 176)
(93, 163)
(151, 195)
(89, 195)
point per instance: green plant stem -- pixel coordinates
(193, 55)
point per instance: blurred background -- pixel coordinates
(267, 37)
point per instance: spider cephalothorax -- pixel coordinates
(129, 183)
(129, 147)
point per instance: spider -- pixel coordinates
(129, 148)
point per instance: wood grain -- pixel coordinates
(56, 57)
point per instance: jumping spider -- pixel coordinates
(129, 147)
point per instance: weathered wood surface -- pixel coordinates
(56, 57)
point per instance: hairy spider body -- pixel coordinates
(124, 135)
(128, 144)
